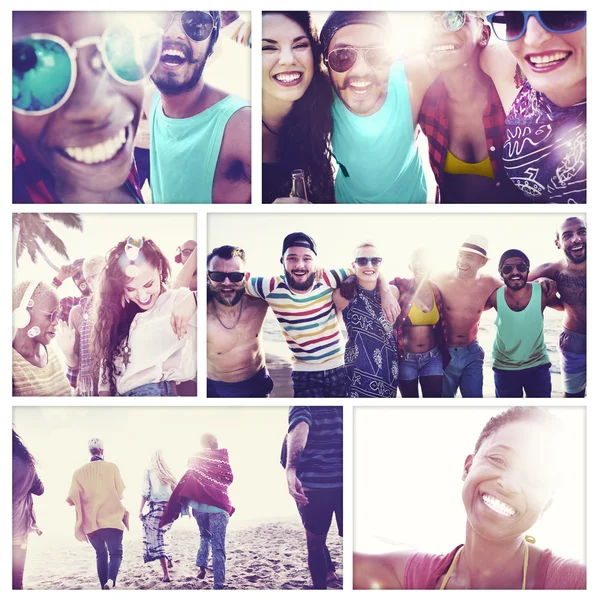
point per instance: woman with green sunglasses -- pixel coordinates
(540, 75)
(77, 86)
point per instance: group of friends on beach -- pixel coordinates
(500, 97)
(312, 456)
(410, 333)
(130, 332)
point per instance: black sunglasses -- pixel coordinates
(510, 25)
(507, 269)
(220, 276)
(196, 24)
(343, 59)
(375, 261)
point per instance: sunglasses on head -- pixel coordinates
(220, 276)
(343, 59)
(375, 261)
(52, 316)
(44, 66)
(452, 20)
(510, 25)
(197, 25)
(507, 269)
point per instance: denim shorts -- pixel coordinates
(420, 364)
(162, 388)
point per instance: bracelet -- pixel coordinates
(57, 283)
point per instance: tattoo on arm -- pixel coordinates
(294, 457)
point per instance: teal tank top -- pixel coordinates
(184, 152)
(519, 341)
(379, 152)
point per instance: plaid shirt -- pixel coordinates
(66, 305)
(433, 122)
(33, 184)
(407, 290)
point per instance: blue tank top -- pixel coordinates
(378, 151)
(184, 152)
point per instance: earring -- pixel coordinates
(34, 331)
(519, 79)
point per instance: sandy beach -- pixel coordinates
(269, 556)
(278, 356)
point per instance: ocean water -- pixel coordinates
(278, 352)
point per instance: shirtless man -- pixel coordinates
(465, 292)
(570, 274)
(199, 136)
(236, 362)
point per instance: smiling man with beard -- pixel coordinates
(375, 110)
(200, 136)
(520, 359)
(236, 362)
(570, 274)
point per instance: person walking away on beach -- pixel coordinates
(303, 305)
(25, 482)
(158, 484)
(96, 493)
(570, 274)
(461, 114)
(314, 474)
(209, 123)
(370, 359)
(203, 488)
(236, 361)
(520, 359)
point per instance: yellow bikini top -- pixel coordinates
(455, 166)
(417, 317)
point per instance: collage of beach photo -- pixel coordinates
(439, 351)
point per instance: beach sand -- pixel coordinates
(269, 556)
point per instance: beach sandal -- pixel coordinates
(166, 580)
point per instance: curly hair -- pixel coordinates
(19, 449)
(304, 141)
(513, 414)
(111, 319)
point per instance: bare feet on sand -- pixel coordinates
(332, 576)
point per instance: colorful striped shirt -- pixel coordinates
(308, 321)
(321, 463)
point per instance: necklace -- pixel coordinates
(269, 129)
(238, 316)
(454, 562)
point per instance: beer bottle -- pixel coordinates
(298, 184)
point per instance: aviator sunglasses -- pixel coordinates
(220, 276)
(452, 20)
(52, 316)
(44, 66)
(510, 25)
(375, 261)
(507, 269)
(343, 59)
(197, 25)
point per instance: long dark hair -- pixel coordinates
(304, 141)
(112, 319)
(19, 449)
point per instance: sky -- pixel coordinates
(395, 235)
(408, 465)
(101, 232)
(57, 437)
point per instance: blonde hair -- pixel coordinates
(365, 244)
(41, 292)
(158, 464)
(93, 265)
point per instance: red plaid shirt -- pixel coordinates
(433, 122)
(33, 184)
(407, 289)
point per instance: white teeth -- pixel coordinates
(100, 152)
(498, 506)
(287, 77)
(444, 48)
(360, 84)
(548, 58)
(173, 52)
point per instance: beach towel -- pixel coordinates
(206, 481)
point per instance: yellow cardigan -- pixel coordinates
(95, 493)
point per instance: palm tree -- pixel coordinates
(35, 231)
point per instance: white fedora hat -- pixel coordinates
(477, 244)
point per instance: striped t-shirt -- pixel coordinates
(308, 321)
(321, 463)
